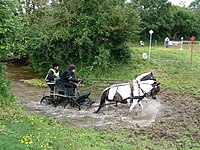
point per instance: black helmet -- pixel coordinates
(71, 67)
(55, 64)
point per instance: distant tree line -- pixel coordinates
(88, 32)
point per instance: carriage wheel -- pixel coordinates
(90, 103)
(47, 100)
(71, 103)
(87, 103)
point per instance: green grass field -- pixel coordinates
(21, 130)
(177, 70)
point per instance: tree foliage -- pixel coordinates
(11, 46)
(80, 31)
(5, 28)
(155, 15)
(194, 4)
(185, 23)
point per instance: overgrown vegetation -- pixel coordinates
(81, 32)
(5, 97)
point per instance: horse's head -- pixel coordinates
(155, 90)
(148, 84)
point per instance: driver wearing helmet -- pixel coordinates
(69, 79)
(52, 75)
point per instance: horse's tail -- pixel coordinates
(104, 96)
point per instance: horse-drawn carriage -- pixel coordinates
(130, 93)
(66, 96)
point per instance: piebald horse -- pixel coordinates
(132, 92)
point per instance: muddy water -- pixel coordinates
(112, 118)
(19, 71)
(109, 117)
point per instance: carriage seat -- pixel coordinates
(51, 84)
(61, 89)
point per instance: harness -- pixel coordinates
(132, 89)
(140, 88)
(132, 97)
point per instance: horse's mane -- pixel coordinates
(145, 76)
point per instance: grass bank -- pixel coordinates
(20, 130)
(175, 69)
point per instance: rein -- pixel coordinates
(137, 97)
(141, 88)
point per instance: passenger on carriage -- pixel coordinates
(52, 75)
(69, 79)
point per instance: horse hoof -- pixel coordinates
(92, 102)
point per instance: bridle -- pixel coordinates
(139, 87)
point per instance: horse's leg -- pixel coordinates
(140, 104)
(134, 103)
(103, 100)
(116, 103)
(129, 102)
(117, 98)
(109, 106)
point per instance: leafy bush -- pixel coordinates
(11, 46)
(5, 97)
(81, 32)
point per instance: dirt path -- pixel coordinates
(178, 119)
(176, 114)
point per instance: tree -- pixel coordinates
(5, 28)
(87, 32)
(10, 43)
(155, 15)
(193, 5)
(185, 23)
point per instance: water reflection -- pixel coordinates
(19, 71)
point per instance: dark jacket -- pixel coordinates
(68, 77)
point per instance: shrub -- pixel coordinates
(5, 97)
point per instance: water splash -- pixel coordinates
(114, 118)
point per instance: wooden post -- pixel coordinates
(192, 39)
(191, 52)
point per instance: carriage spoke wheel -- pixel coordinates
(90, 103)
(47, 100)
(87, 103)
(71, 103)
